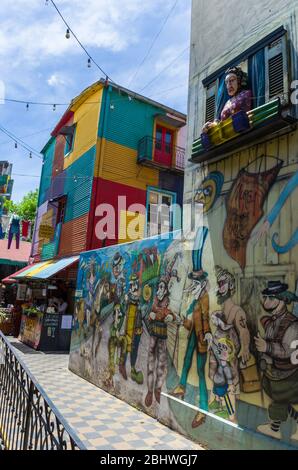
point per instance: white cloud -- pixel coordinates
(56, 80)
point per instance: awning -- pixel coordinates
(10, 279)
(53, 268)
(44, 270)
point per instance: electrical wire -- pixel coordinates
(22, 144)
(153, 42)
(29, 135)
(165, 68)
(79, 42)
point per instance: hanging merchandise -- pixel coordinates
(14, 230)
(2, 233)
(25, 228)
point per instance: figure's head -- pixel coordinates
(162, 289)
(225, 349)
(276, 296)
(198, 287)
(118, 264)
(235, 80)
(134, 285)
(226, 284)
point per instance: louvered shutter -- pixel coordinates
(210, 102)
(276, 63)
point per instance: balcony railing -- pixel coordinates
(147, 156)
(242, 129)
(28, 418)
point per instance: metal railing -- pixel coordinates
(28, 418)
(146, 148)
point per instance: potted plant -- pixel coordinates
(6, 324)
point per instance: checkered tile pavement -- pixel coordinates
(100, 420)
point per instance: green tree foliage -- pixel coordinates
(26, 209)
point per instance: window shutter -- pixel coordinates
(277, 80)
(210, 102)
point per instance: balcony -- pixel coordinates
(240, 130)
(154, 153)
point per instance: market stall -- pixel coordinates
(46, 292)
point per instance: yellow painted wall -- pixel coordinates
(86, 118)
(117, 163)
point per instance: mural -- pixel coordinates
(245, 208)
(188, 330)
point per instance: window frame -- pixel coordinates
(161, 192)
(280, 33)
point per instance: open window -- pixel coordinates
(69, 134)
(159, 212)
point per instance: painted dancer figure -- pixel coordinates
(280, 379)
(197, 323)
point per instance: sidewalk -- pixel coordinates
(100, 420)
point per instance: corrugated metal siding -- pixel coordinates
(108, 193)
(78, 186)
(46, 174)
(73, 236)
(129, 121)
(86, 118)
(58, 163)
(120, 165)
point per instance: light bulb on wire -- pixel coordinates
(15, 145)
(89, 63)
(67, 34)
(54, 107)
(30, 155)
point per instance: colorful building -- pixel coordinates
(110, 143)
(201, 332)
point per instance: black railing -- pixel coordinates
(28, 418)
(146, 154)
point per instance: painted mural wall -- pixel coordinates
(168, 325)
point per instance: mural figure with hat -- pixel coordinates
(209, 190)
(197, 323)
(160, 316)
(119, 278)
(133, 329)
(91, 287)
(117, 341)
(280, 373)
(236, 82)
(231, 326)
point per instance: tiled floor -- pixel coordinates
(100, 420)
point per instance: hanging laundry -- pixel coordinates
(25, 228)
(245, 209)
(14, 230)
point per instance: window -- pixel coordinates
(267, 67)
(276, 70)
(61, 206)
(163, 146)
(211, 93)
(159, 215)
(69, 134)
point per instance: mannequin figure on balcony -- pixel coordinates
(240, 96)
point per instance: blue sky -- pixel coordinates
(39, 64)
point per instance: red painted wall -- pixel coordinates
(107, 192)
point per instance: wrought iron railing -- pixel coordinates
(146, 153)
(28, 418)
